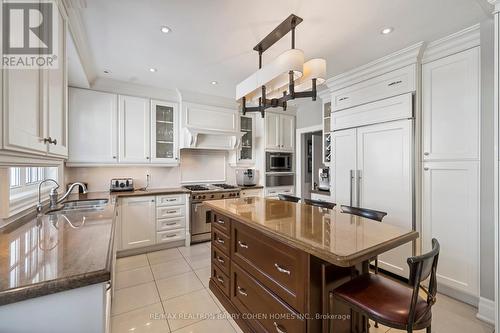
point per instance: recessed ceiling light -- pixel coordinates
(152, 70)
(214, 82)
(387, 31)
(165, 29)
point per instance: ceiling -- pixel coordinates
(213, 40)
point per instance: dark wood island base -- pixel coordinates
(270, 284)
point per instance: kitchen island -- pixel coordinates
(274, 262)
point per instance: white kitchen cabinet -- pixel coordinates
(138, 222)
(164, 132)
(451, 215)
(273, 192)
(251, 192)
(93, 127)
(372, 169)
(57, 100)
(451, 107)
(327, 135)
(244, 155)
(134, 130)
(280, 132)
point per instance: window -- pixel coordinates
(24, 183)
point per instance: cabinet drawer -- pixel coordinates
(250, 296)
(170, 200)
(170, 224)
(277, 266)
(221, 260)
(221, 222)
(170, 235)
(169, 212)
(221, 280)
(220, 241)
(386, 85)
(251, 193)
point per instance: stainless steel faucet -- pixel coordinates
(53, 195)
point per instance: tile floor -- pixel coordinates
(167, 291)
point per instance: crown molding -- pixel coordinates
(77, 29)
(495, 3)
(407, 56)
(457, 42)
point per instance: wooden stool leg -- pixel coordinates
(428, 329)
(376, 272)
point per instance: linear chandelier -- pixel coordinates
(285, 78)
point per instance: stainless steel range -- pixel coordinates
(201, 217)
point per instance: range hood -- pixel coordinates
(201, 138)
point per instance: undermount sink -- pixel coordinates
(87, 205)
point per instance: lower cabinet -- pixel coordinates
(138, 222)
(275, 191)
(451, 215)
(254, 192)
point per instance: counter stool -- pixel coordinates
(394, 304)
(319, 203)
(286, 197)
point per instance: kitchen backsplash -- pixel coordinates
(197, 166)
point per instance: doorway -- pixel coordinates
(309, 159)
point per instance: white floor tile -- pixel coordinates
(195, 250)
(133, 277)
(123, 264)
(149, 319)
(204, 275)
(206, 326)
(178, 285)
(171, 268)
(200, 261)
(132, 298)
(163, 256)
(190, 308)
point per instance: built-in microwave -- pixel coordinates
(278, 162)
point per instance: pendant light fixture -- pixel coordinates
(285, 78)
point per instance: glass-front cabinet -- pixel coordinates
(164, 132)
(327, 137)
(245, 154)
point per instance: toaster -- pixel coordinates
(121, 185)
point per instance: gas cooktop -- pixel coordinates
(210, 187)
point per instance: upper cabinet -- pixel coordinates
(244, 155)
(327, 135)
(93, 127)
(451, 104)
(280, 132)
(108, 129)
(35, 105)
(164, 132)
(134, 130)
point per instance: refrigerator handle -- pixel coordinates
(358, 188)
(351, 175)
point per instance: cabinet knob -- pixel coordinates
(426, 153)
(114, 157)
(147, 157)
(426, 169)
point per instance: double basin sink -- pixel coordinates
(79, 206)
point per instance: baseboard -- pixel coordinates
(486, 310)
(459, 295)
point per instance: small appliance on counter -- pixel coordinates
(324, 179)
(121, 185)
(246, 177)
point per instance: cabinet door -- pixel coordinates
(451, 215)
(287, 134)
(247, 150)
(138, 222)
(93, 122)
(451, 104)
(57, 88)
(134, 128)
(164, 133)
(385, 182)
(273, 131)
(344, 150)
(24, 123)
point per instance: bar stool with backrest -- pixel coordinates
(286, 197)
(319, 203)
(392, 303)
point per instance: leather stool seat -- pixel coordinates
(384, 300)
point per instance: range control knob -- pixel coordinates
(203, 197)
(212, 196)
(222, 196)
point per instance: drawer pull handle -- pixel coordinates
(279, 329)
(243, 245)
(221, 280)
(343, 99)
(242, 291)
(221, 221)
(220, 241)
(170, 236)
(172, 223)
(171, 200)
(394, 83)
(281, 269)
(171, 211)
(221, 260)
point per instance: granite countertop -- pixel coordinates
(249, 187)
(52, 253)
(339, 238)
